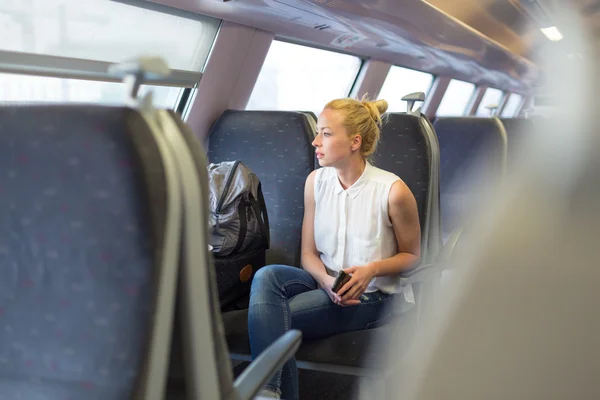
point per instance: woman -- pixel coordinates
(358, 218)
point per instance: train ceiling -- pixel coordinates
(489, 42)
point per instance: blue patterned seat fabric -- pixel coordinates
(471, 157)
(403, 150)
(76, 266)
(276, 146)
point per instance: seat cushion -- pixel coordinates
(351, 349)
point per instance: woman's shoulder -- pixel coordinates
(317, 179)
(383, 176)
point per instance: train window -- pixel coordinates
(491, 97)
(295, 77)
(400, 82)
(106, 31)
(38, 89)
(456, 98)
(513, 106)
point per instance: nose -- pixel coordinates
(316, 142)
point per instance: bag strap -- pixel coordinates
(260, 210)
(243, 227)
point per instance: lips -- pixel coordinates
(319, 155)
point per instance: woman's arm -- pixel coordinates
(404, 216)
(311, 262)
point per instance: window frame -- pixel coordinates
(467, 105)
(503, 94)
(434, 77)
(519, 107)
(77, 68)
(53, 66)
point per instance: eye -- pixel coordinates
(326, 134)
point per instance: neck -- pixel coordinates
(348, 174)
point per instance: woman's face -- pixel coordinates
(333, 144)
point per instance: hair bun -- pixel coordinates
(381, 105)
(376, 108)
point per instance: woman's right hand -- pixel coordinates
(326, 284)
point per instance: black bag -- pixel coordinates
(239, 220)
(240, 230)
(234, 277)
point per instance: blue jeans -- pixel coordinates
(284, 298)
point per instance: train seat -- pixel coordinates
(505, 334)
(312, 119)
(80, 252)
(201, 353)
(472, 155)
(276, 145)
(516, 133)
(350, 353)
(409, 150)
(433, 222)
(92, 208)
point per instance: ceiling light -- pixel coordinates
(552, 33)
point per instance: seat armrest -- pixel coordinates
(445, 253)
(423, 272)
(256, 375)
(420, 273)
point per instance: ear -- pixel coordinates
(356, 142)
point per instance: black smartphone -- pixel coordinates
(340, 281)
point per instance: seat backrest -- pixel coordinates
(206, 358)
(80, 245)
(312, 121)
(276, 146)
(516, 132)
(405, 149)
(434, 212)
(200, 354)
(472, 154)
(521, 320)
(312, 116)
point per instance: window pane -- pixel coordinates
(104, 31)
(302, 78)
(513, 105)
(491, 97)
(455, 100)
(36, 89)
(400, 82)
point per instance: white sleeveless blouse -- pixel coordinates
(352, 226)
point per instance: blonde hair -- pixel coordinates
(362, 117)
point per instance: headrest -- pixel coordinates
(412, 98)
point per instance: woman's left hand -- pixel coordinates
(358, 283)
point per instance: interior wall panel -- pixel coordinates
(230, 74)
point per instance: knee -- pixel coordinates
(265, 277)
(269, 279)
